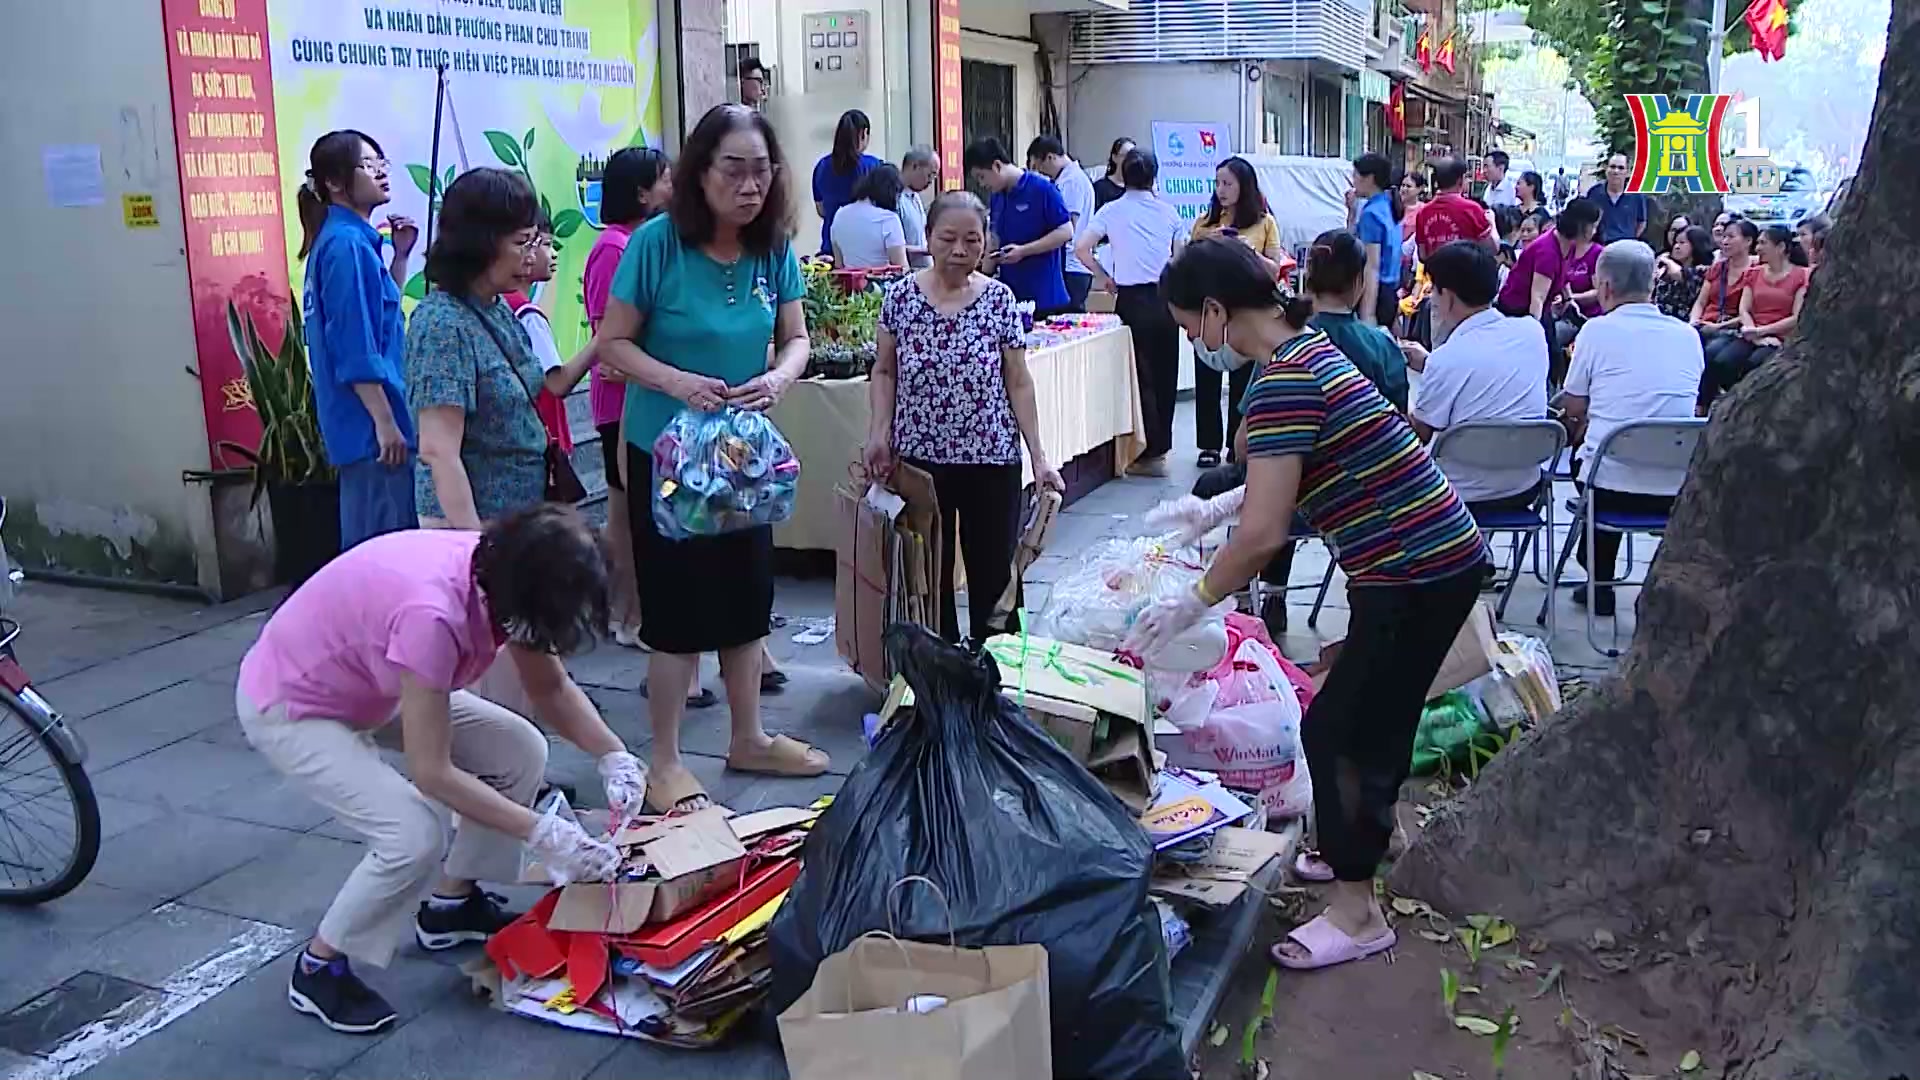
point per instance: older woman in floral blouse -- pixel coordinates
(952, 396)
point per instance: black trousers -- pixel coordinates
(981, 504)
(1386, 308)
(1606, 545)
(1730, 358)
(1206, 404)
(1078, 286)
(1358, 733)
(1522, 501)
(1156, 356)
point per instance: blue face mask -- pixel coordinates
(1223, 359)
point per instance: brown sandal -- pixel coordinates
(785, 757)
(664, 798)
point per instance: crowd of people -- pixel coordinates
(464, 578)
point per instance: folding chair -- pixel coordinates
(1510, 444)
(1651, 444)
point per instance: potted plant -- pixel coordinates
(290, 467)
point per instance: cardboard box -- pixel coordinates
(693, 859)
(1101, 302)
(1221, 878)
(887, 566)
(1095, 707)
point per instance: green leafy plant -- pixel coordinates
(1260, 1020)
(281, 384)
(1449, 989)
(1502, 1039)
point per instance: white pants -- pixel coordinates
(340, 767)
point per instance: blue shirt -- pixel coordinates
(834, 190)
(1619, 220)
(1376, 226)
(1023, 213)
(710, 318)
(355, 334)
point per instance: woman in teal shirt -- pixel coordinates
(701, 293)
(1336, 267)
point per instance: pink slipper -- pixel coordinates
(1308, 866)
(1327, 946)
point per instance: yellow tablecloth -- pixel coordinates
(1086, 391)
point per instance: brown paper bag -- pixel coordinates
(852, 1023)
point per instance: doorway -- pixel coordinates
(986, 107)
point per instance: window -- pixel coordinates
(986, 108)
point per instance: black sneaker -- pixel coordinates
(336, 997)
(479, 917)
(1273, 612)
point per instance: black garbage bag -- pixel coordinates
(1027, 847)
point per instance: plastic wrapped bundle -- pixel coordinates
(1096, 603)
(721, 472)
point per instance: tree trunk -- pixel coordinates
(1771, 696)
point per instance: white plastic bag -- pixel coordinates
(1253, 743)
(1096, 603)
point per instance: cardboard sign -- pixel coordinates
(137, 209)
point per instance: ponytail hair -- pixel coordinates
(331, 163)
(1228, 272)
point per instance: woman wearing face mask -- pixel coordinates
(1316, 431)
(951, 396)
(398, 628)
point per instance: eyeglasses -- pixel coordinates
(374, 165)
(527, 244)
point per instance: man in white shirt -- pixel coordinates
(1491, 368)
(918, 170)
(1633, 363)
(1047, 157)
(1501, 189)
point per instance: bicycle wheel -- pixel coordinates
(49, 818)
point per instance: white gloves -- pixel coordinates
(626, 783)
(569, 854)
(1163, 621)
(1195, 517)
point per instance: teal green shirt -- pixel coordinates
(699, 315)
(1370, 349)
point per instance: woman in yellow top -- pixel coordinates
(1240, 211)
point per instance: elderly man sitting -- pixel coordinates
(1491, 367)
(1632, 363)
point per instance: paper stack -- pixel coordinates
(674, 951)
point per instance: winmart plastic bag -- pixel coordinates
(1026, 845)
(721, 472)
(1243, 722)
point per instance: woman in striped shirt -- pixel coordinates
(1322, 442)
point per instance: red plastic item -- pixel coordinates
(527, 947)
(667, 944)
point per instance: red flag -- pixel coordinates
(1445, 59)
(1397, 110)
(1423, 48)
(1767, 21)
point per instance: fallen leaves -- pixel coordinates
(1219, 1035)
(1690, 1062)
(1479, 1025)
(1601, 939)
(1435, 936)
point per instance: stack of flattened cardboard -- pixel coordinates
(674, 950)
(887, 565)
(1221, 877)
(1093, 705)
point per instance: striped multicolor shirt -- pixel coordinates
(1367, 486)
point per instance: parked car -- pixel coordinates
(1839, 195)
(1798, 197)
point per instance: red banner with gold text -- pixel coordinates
(946, 40)
(230, 191)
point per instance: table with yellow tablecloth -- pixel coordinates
(1087, 394)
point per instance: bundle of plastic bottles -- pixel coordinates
(721, 472)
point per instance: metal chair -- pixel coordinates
(1651, 444)
(1510, 444)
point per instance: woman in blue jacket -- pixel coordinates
(356, 335)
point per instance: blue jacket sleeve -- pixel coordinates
(349, 289)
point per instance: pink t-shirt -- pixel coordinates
(1542, 257)
(609, 399)
(405, 601)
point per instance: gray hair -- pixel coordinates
(1626, 266)
(921, 154)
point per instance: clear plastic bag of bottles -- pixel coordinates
(720, 472)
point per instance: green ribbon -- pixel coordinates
(1081, 673)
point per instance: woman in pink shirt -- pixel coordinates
(396, 630)
(636, 185)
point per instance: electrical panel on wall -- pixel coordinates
(837, 50)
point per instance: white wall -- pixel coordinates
(99, 409)
(805, 121)
(1022, 57)
(1107, 101)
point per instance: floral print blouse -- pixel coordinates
(950, 399)
(480, 361)
(1675, 296)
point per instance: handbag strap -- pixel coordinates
(507, 355)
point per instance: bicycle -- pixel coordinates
(42, 771)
